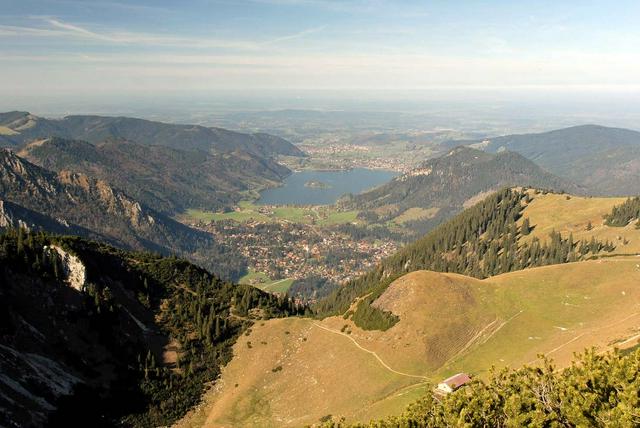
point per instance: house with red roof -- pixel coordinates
(452, 383)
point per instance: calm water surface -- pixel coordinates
(294, 191)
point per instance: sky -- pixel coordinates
(73, 48)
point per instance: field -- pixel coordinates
(278, 286)
(209, 216)
(416, 213)
(248, 211)
(296, 371)
(263, 282)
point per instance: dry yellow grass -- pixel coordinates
(322, 372)
(572, 215)
(558, 310)
(416, 213)
(448, 323)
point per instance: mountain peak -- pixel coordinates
(10, 162)
(601, 158)
(445, 185)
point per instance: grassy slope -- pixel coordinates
(317, 376)
(448, 323)
(7, 131)
(556, 212)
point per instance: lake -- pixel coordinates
(323, 187)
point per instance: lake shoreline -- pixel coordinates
(295, 189)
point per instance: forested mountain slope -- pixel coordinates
(165, 179)
(23, 127)
(441, 187)
(604, 160)
(14, 216)
(93, 205)
(100, 336)
(487, 239)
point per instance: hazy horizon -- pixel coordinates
(554, 63)
(65, 48)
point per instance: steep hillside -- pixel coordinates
(13, 216)
(25, 127)
(441, 187)
(94, 205)
(103, 337)
(447, 323)
(604, 160)
(400, 329)
(165, 179)
(487, 239)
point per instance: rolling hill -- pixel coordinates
(448, 323)
(431, 193)
(23, 127)
(296, 372)
(163, 178)
(169, 167)
(94, 206)
(604, 160)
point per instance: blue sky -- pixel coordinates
(71, 47)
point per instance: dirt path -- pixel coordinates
(479, 335)
(629, 340)
(595, 330)
(385, 365)
(563, 345)
(501, 325)
(268, 287)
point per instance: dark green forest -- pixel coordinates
(622, 214)
(113, 334)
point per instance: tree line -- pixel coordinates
(624, 213)
(482, 241)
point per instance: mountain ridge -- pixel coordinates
(603, 159)
(94, 205)
(166, 179)
(95, 129)
(448, 183)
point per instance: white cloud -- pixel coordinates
(65, 30)
(293, 36)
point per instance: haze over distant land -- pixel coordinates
(185, 61)
(491, 112)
